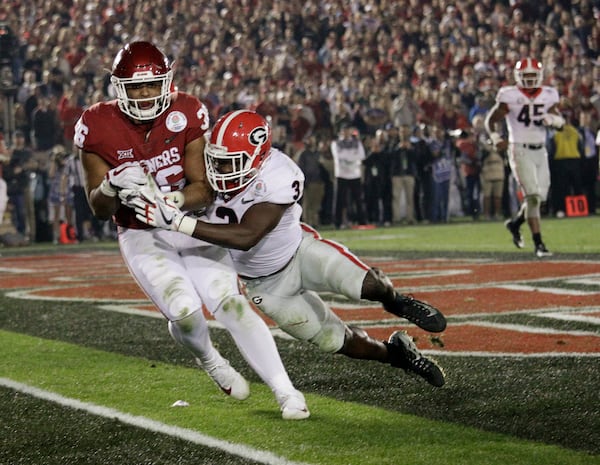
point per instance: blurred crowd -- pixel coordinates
(407, 83)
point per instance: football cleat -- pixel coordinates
(404, 354)
(516, 234)
(292, 405)
(229, 380)
(420, 313)
(541, 251)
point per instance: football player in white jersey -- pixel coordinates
(528, 108)
(283, 262)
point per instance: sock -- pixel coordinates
(537, 238)
(519, 220)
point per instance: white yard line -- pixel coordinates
(195, 437)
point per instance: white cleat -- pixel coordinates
(293, 405)
(230, 381)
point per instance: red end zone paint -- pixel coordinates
(466, 290)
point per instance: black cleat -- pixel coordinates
(404, 354)
(516, 234)
(420, 313)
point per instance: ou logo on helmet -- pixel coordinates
(258, 136)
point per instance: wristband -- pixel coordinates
(187, 225)
(107, 189)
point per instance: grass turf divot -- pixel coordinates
(337, 432)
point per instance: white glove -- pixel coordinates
(161, 213)
(128, 175)
(496, 138)
(553, 121)
(147, 192)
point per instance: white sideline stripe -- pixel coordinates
(211, 323)
(511, 354)
(152, 425)
(573, 316)
(591, 281)
(3, 269)
(529, 329)
(548, 290)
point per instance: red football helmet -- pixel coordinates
(239, 143)
(529, 73)
(139, 63)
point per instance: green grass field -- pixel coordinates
(83, 385)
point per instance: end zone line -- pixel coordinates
(151, 425)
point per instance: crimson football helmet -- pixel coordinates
(529, 73)
(139, 63)
(238, 145)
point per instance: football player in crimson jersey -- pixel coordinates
(528, 108)
(283, 262)
(152, 130)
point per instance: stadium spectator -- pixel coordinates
(442, 160)
(69, 111)
(348, 155)
(309, 162)
(17, 174)
(470, 171)
(45, 126)
(60, 196)
(403, 168)
(422, 192)
(591, 148)
(492, 171)
(566, 152)
(378, 181)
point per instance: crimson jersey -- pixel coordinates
(158, 145)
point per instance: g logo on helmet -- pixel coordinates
(258, 136)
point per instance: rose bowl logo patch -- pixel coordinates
(176, 121)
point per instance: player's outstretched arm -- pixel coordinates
(256, 223)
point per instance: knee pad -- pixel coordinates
(533, 206)
(187, 330)
(328, 331)
(330, 337)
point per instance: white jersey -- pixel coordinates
(281, 182)
(524, 118)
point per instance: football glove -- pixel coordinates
(160, 212)
(128, 175)
(148, 192)
(496, 138)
